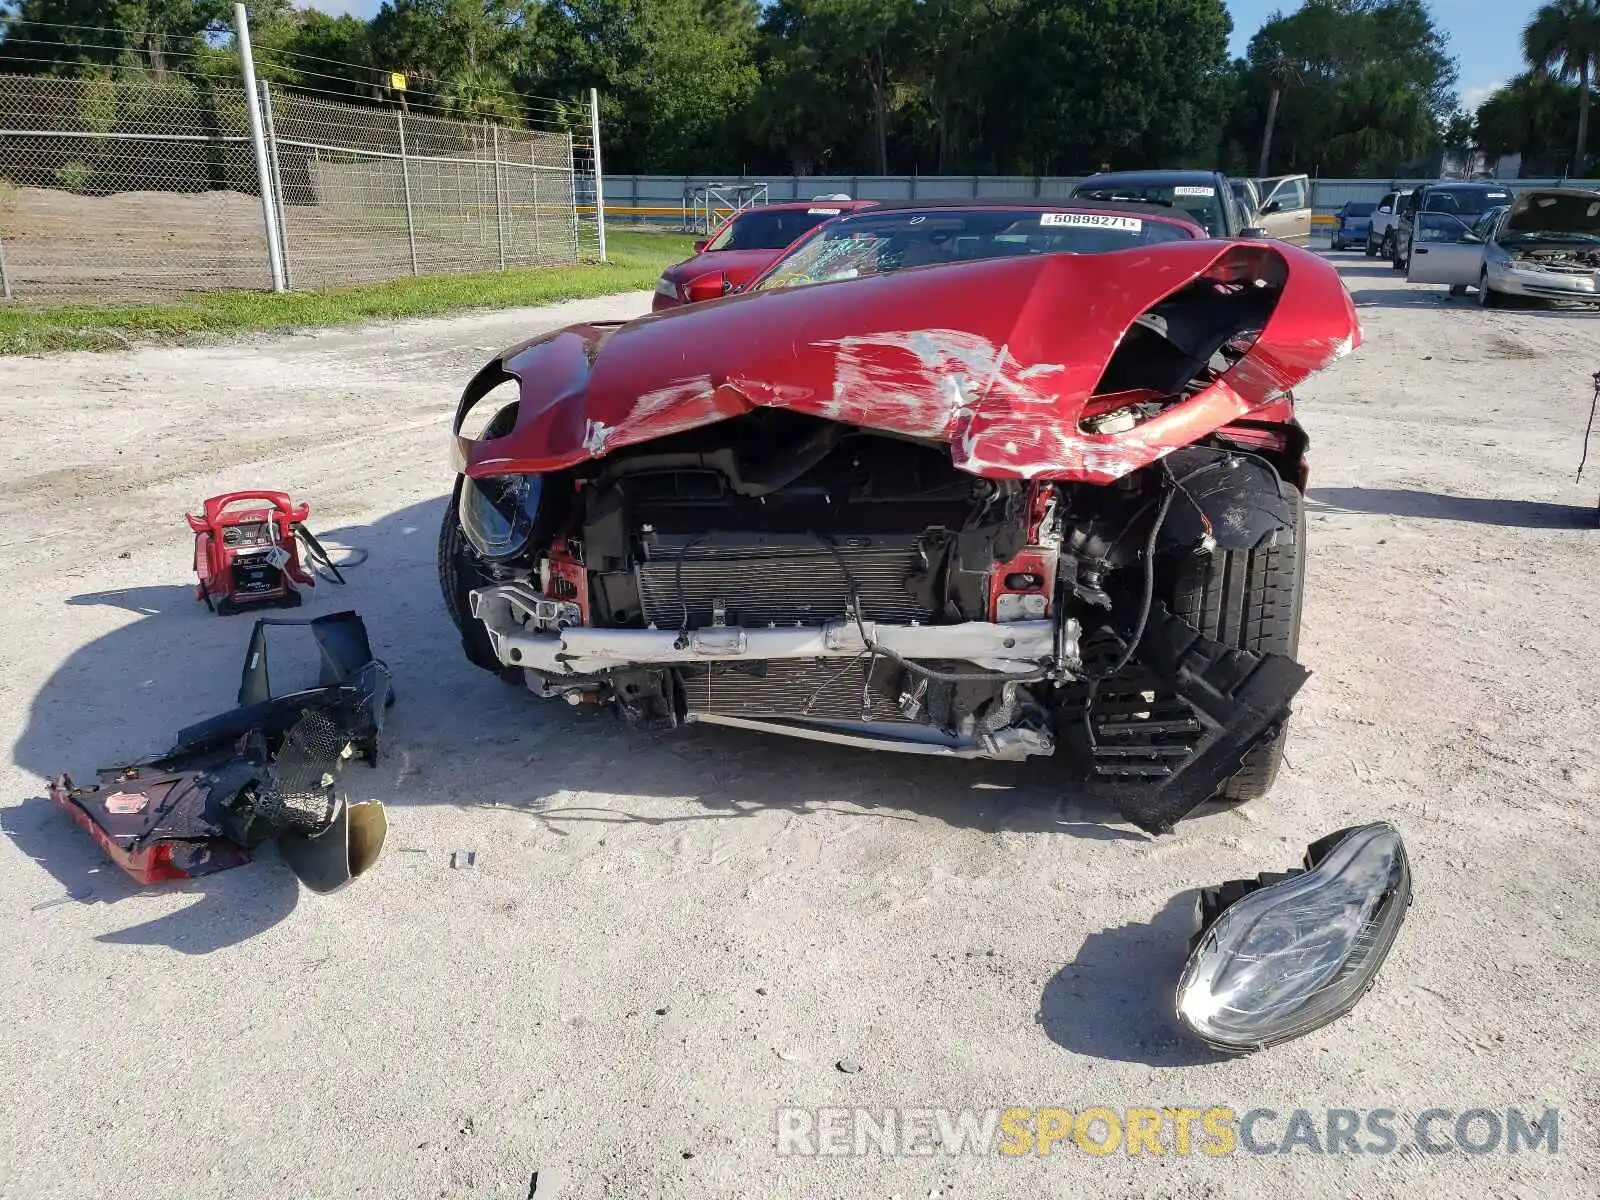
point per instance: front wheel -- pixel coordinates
(1487, 296)
(1371, 250)
(1251, 600)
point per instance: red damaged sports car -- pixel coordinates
(981, 480)
(746, 246)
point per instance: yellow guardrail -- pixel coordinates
(647, 210)
(1320, 220)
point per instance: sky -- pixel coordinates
(1485, 35)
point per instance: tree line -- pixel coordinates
(1543, 112)
(1339, 87)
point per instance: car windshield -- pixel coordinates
(1465, 202)
(1484, 226)
(771, 229)
(1359, 209)
(874, 243)
(1197, 200)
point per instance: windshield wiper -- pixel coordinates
(1119, 199)
(1551, 235)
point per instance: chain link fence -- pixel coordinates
(111, 188)
(375, 193)
(139, 188)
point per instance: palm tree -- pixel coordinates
(1564, 38)
(1282, 72)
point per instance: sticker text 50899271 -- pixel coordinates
(1093, 221)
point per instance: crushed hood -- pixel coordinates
(1554, 210)
(996, 358)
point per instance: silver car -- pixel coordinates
(1543, 245)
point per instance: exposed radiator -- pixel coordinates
(823, 689)
(777, 579)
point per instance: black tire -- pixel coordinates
(1251, 600)
(459, 573)
(1458, 290)
(1487, 296)
(1369, 248)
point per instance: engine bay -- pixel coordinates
(1573, 260)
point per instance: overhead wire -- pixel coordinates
(544, 108)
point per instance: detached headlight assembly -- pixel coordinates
(498, 514)
(1280, 955)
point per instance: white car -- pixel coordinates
(1543, 245)
(1380, 232)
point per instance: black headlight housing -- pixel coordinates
(499, 514)
(1283, 954)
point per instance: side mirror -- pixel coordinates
(700, 244)
(1255, 232)
(708, 287)
(1472, 239)
(1385, 210)
(1272, 207)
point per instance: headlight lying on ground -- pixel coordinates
(665, 287)
(1278, 956)
(498, 514)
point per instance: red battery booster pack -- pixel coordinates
(247, 552)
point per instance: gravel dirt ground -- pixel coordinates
(667, 938)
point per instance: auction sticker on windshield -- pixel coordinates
(1192, 189)
(1093, 221)
(825, 212)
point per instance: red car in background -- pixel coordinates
(748, 244)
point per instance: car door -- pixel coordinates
(1444, 250)
(1287, 211)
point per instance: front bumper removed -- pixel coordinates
(1235, 700)
(523, 629)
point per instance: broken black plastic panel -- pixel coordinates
(266, 770)
(1240, 700)
(1238, 501)
(354, 688)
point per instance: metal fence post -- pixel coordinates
(277, 187)
(499, 208)
(533, 168)
(269, 215)
(405, 187)
(599, 185)
(5, 277)
(572, 191)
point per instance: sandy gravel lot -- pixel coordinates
(667, 938)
